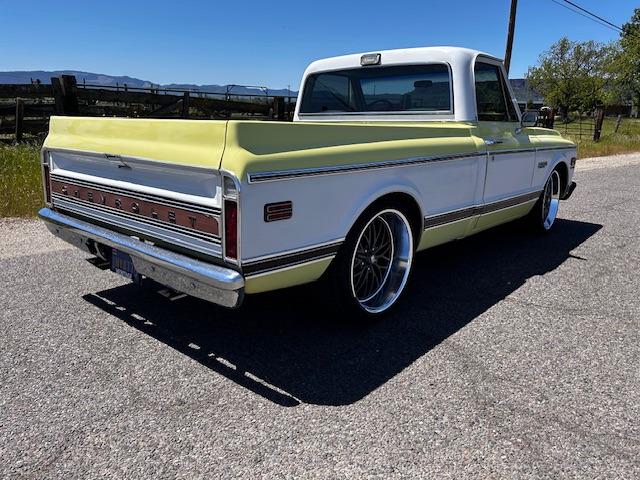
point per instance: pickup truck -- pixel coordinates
(389, 153)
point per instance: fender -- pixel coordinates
(377, 191)
(547, 161)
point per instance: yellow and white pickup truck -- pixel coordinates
(390, 153)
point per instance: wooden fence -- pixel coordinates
(25, 109)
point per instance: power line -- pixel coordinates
(588, 14)
(594, 15)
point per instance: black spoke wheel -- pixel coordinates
(381, 261)
(372, 262)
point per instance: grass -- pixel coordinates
(20, 180)
(627, 140)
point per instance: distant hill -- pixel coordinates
(87, 77)
(21, 77)
(520, 86)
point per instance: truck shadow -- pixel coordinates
(285, 347)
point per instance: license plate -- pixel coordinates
(121, 263)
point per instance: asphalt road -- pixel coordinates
(514, 357)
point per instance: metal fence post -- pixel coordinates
(598, 124)
(278, 108)
(185, 105)
(65, 93)
(70, 94)
(58, 95)
(618, 120)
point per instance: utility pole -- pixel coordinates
(512, 26)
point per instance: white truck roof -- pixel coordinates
(460, 60)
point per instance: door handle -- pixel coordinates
(493, 141)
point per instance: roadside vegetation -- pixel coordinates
(20, 180)
(580, 77)
(626, 140)
(577, 79)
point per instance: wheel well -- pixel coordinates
(564, 175)
(408, 205)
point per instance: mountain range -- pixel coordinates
(22, 77)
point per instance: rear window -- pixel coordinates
(407, 88)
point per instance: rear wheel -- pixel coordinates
(544, 213)
(372, 268)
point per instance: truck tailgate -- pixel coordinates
(157, 179)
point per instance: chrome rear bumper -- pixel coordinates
(213, 283)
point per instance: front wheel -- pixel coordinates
(373, 266)
(544, 213)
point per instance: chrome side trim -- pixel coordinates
(275, 175)
(213, 283)
(467, 212)
(249, 261)
(555, 148)
(450, 217)
(289, 267)
(309, 172)
(511, 151)
(509, 202)
(290, 259)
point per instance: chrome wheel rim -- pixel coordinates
(551, 200)
(381, 261)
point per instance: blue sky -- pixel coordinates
(270, 43)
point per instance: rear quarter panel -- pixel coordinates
(326, 206)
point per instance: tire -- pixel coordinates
(372, 268)
(543, 215)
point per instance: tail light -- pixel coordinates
(231, 229)
(46, 179)
(230, 207)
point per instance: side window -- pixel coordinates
(511, 110)
(492, 98)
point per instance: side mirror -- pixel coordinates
(529, 119)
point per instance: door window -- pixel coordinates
(492, 96)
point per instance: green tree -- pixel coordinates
(573, 76)
(626, 63)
